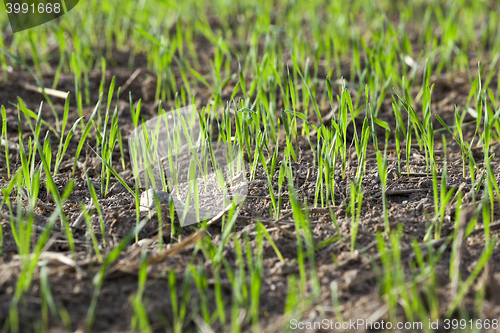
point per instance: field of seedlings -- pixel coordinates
(252, 166)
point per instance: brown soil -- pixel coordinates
(410, 197)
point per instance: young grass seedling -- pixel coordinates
(140, 319)
(93, 195)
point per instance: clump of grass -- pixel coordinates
(355, 207)
(441, 197)
(61, 150)
(140, 320)
(98, 279)
(93, 195)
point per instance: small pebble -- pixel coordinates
(392, 174)
(425, 183)
(117, 188)
(148, 202)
